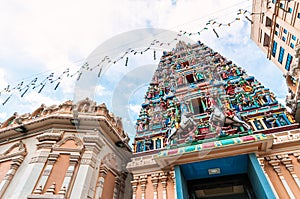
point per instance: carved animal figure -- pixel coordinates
(217, 117)
(186, 122)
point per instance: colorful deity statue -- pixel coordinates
(199, 76)
(230, 88)
(148, 143)
(245, 85)
(270, 118)
(238, 89)
(244, 99)
(180, 80)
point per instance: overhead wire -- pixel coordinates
(66, 73)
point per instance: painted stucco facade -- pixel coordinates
(64, 151)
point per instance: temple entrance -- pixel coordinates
(234, 177)
(231, 187)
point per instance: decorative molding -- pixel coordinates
(48, 139)
(20, 152)
(287, 136)
(110, 160)
(275, 160)
(50, 136)
(57, 150)
(145, 163)
(85, 160)
(77, 141)
(93, 143)
(16, 159)
(84, 106)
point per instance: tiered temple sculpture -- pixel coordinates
(199, 109)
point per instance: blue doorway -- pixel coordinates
(230, 177)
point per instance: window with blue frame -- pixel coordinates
(281, 54)
(285, 31)
(294, 37)
(281, 5)
(277, 25)
(290, 10)
(276, 32)
(288, 62)
(298, 15)
(283, 38)
(273, 1)
(274, 48)
(292, 45)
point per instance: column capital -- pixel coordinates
(143, 179)
(52, 158)
(155, 180)
(103, 171)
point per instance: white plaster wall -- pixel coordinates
(27, 174)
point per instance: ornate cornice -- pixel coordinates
(85, 110)
(50, 136)
(20, 152)
(78, 142)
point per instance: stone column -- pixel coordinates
(253, 125)
(122, 185)
(69, 174)
(100, 183)
(164, 179)
(154, 143)
(117, 187)
(143, 183)
(154, 180)
(174, 183)
(134, 185)
(162, 142)
(87, 168)
(42, 182)
(262, 123)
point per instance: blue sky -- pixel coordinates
(40, 37)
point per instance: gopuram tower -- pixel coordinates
(206, 129)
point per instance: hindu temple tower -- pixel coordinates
(206, 129)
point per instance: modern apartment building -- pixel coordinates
(276, 30)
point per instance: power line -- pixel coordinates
(37, 83)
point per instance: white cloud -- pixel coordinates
(3, 116)
(34, 100)
(3, 73)
(38, 36)
(100, 90)
(135, 108)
